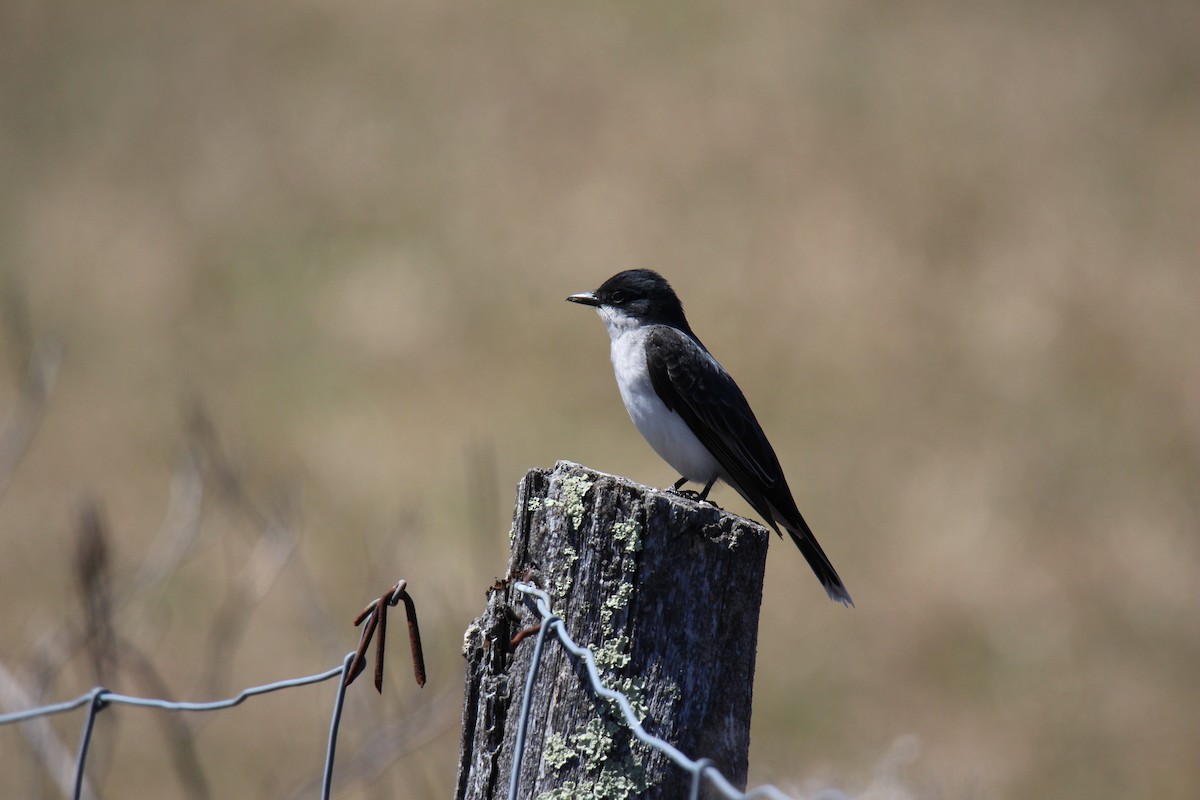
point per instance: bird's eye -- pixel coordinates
(617, 297)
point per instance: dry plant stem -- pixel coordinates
(22, 424)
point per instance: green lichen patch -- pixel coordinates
(573, 490)
(614, 655)
(568, 791)
(620, 781)
(557, 753)
(617, 601)
(594, 741)
(563, 582)
(634, 690)
(628, 533)
(608, 777)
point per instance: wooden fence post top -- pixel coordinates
(665, 590)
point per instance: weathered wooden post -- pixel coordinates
(665, 591)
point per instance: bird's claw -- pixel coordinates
(693, 495)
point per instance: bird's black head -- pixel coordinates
(640, 294)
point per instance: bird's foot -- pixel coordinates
(694, 496)
(678, 490)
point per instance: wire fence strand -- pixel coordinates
(700, 769)
(100, 698)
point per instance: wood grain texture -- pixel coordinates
(666, 591)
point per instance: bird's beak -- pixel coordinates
(586, 298)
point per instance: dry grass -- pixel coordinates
(968, 234)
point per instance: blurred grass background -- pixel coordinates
(951, 251)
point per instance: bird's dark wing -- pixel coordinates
(693, 385)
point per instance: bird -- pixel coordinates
(690, 410)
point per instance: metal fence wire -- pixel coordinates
(701, 769)
(99, 698)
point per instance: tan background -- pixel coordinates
(950, 251)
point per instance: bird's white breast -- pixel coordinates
(665, 430)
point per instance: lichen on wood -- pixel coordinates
(665, 591)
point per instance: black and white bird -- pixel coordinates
(690, 410)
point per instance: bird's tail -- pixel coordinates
(802, 535)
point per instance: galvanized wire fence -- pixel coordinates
(375, 617)
(100, 698)
(701, 769)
